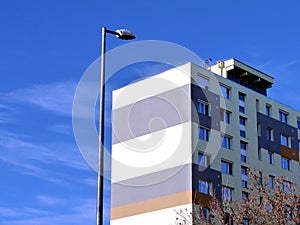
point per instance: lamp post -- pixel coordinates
(124, 35)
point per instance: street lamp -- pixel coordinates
(124, 35)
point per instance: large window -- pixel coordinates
(227, 193)
(204, 133)
(227, 116)
(243, 126)
(244, 177)
(203, 160)
(225, 91)
(268, 110)
(271, 182)
(226, 167)
(243, 147)
(270, 157)
(269, 134)
(285, 163)
(283, 116)
(284, 140)
(242, 98)
(298, 123)
(202, 81)
(204, 187)
(203, 108)
(286, 187)
(226, 141)
(244, 195)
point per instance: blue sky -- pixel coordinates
(47, 45)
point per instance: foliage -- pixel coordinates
(264, 205)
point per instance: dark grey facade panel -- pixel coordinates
(208, 174)
(278, 128)
(212, 121)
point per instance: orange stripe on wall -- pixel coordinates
(168, 201)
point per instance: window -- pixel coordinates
(244, 177)
(226, 141)
(259, 153)
(227, 193)
(227, 116)
(203, 160)
(245, 221)
(298, 123)
(270, 157)
(257, 105)
(206, 213)
(258, 129)
(242, 109)
(242, 126)
(285, 163)
(202, 81)
(225, 91)
(244, 195)
(204, 133)
(243, 147)
(271, 182)
(284, 140)
(286, 187)
(242, 98)
(203, 108)
(228, 219)
(260, 178)
(268, 110)
(283, 116)
(226, 167)
(269, 134)
(204, 187)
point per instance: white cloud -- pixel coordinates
(50, 200)
(55, 97)
(84, 213)
(61, 128)
(38, 160)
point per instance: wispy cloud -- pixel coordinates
(290, 63)
(30, 158)
(55, 97)
(61, 128)
(50, 200)
(83, 213)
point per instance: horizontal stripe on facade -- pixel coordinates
(152, 114)
(289, 153)
(174, 180)
(164, 149)
(168, 201)
(157, 217)
(152, 86)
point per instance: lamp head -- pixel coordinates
(124, 34)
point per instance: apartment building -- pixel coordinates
(189, 132)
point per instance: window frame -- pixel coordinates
(285, 163)
(203, 108)
(227, 90)
(205, 159)
(283, 116)
(285, 142)
(226, 141)
(228, 169)
(206, 133)
(207, 187)
(270, 156)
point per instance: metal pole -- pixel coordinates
(100, 206)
